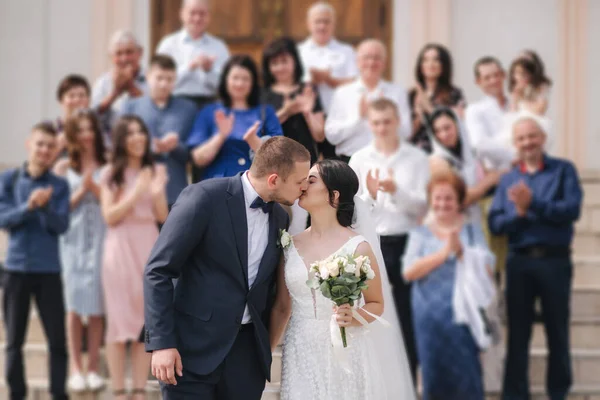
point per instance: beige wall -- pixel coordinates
(42, 40)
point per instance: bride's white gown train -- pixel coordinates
(310, 371)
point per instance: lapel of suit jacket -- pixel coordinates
(237, 213)
(271, 245)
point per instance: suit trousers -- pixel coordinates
(393, 248)
(528, 278)
(239, 377)
(46, 289)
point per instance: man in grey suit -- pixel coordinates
(210, 340)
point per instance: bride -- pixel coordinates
(374, 365)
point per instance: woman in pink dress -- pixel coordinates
(133, 201)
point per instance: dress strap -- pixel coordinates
(353, 243)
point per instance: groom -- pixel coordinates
(210, 340)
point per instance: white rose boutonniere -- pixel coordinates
(285, 239)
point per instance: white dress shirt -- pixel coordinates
(346, 129)
(258, 236)
(183, 49)
(395, 213)
(338, 57)
(485, 121)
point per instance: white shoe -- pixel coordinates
(76, 383)
(95, 381)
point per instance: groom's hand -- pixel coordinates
(165, 363)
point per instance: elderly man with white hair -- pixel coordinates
(536, 204)
(126, 78)
(328, 62)
(346, 126)
(199, 55)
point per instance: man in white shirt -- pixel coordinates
(393, 178)
(126, 79)
(485, 118)
(328, 63)
(346, 126)
(485, 121)
(199, 55)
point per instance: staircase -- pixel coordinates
(585, 325)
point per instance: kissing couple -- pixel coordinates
(241, 288)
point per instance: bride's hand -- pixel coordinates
(343, 315)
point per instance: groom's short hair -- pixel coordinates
(278, 155)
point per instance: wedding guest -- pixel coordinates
(447, 351)
(227, 133)
(539, 64)
(346, 126)
(433, 73)
(298, 107)
(536, 205)
(34, 210)
(484, 121)
(133, 201)
(328, 63)
(73, 93)
(393, 178)
(451, 152)
(81, 247)
(125, 79)
(200, 56)
(529, 88)
(169, 120)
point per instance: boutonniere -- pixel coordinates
(285, 239)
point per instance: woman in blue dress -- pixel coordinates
(226, 134)
(81, 247)
(447, 352)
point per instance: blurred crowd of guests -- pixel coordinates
(447, 182)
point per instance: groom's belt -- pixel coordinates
(392, 239)
(247, 327)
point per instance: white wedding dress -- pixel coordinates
(377, 371)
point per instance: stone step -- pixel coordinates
(585, 302)
(586, 272)
(584, 332)
(38, 390)
(578, 392)
(585, 366)
(586, 244)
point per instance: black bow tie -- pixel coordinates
(260, 203)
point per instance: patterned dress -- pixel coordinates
(447, 352)
(81, 252)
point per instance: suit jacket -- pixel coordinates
(204, 243)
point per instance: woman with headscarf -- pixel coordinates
(451, 150)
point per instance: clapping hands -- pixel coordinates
(167, 143)
(376, 184)
(39, 198)
(520, 194)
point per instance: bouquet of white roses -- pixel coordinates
(341, 278)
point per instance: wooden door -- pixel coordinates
(248, 25)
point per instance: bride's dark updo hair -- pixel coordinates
(338, 176)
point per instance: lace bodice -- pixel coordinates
(307, 303)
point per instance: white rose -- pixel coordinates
(343, 261)
(334, 268)
(285, 239)
(350, 268)
(370, 274)
(324, 271)
(360, 261)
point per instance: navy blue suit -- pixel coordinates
(204, 243)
